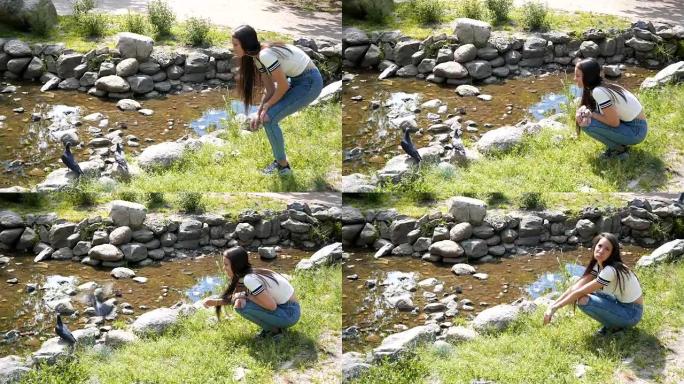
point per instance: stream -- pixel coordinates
(369, 302)
(370, 139)
(26, 321)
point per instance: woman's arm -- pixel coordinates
(607, 116)
(263, 300)
(278, 78)
(573, 296)
(580, 282)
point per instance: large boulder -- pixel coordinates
(665, 253)
(470, 31)
(132, 45)
(126, 213)
(467, 209)
(324, 256)
(395, 345)
(105, 252)
(162, 155)
(465, 53)
(479, 69)
(496, 319)
(12, 369)
(141, 83)
(353, 363)
(500, 140)
(446, 248)
(450, 70)
(67, 63)
(404, 50)
(112, 83)
(24, 14)
(155, 322)
(127, 67)
(671, 74)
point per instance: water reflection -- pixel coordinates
(205, 286)
(552, 103)
(212, 118)
(551, 281)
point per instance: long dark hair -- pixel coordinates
(239, 264)
(591, 78)
(249, 75)
(614, 260)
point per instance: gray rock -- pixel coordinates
(450, 70)
(126, 213)
(446, 248)
(140, 83)
(589, 49)
(466, 209)
(127, 67)
(267, 253)
(128, 105)
(35, 69)
(67, 63)
(354, 36)
(105, 252)
(474, 248)
(354, 365)
(534, 47)
(470, 31)
(404, 50)
(59, 234)
(155, 321)
(148, 68)
(479, 69)
(12, 369)
(399, 229)
(245, 232)
(496, 318)
(106, 69)
(118, 338)
(162, 155)
(51, 351)
(585, 228)
(17, 48)
(467, 90)
(463, 269)
(667, 252)
(324, 256)
(122, 273)
(132, 45)
(134, 252)
(500, 140)
(395, 345)
(11, 219)
(113, 84)
(465, 53)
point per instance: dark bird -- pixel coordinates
(120, 159)
(681, 198)
(69, 161)
(63, 332)
(409, 148)
(102, 308)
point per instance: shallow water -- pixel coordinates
(529, 275)
(28, 151)
(168, 283)
(369, 129)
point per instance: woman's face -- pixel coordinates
(578, 77)
(237, 48)
(226, 267)
(602, 250)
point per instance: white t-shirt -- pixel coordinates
(631, 289)
(281, 292)
(293, 62)
(626, 110)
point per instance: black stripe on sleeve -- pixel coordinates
(273, 66)
(606, 104)
(602, 281)
(258, 290)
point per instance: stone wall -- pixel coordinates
(474, 53)
(469, 233)
(134, 68)
(129, 237)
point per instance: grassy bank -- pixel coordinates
(544, 164)
(313, 142)
(76, 205)
(556, 349)
(197, 351)
(405, 19)
(68, 32)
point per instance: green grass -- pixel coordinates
(543, 165)
(528, 352)
(196, 351)
(404, 21)
(566, 202)
(67, 33)
(313, 142)
(65, 207)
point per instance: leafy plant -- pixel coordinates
(41, 21)
(535, 16)
(155, 199)
(499, 9)
(82, 7)
(161, 16)
(191, 202)
(532, 201)
(79, 197)
(197, 31)
(472, 9)
(135, 23)
(93, 24)
(427, 11)
(128, 196)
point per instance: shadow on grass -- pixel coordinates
(295, 349)
(643, 353)
(650, 171)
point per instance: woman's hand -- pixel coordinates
(263, 116)
(548, 315)
(239, 295)
(209, 302)
(239, 303)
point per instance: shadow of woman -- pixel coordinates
(294, 349)
(641, 169)
(642, 354)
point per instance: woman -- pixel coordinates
(273, 64)
(612, 114)
(608, 291)
(264, 297)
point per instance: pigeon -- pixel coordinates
(63, 332)
(120, 159)
(409, 148)
(69, 160)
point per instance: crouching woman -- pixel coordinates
(608, 291)
(261, 296)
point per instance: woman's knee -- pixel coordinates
(584, 300)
